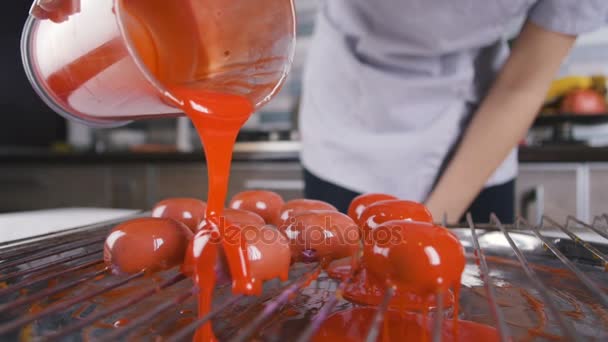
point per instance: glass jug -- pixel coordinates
(105, 62)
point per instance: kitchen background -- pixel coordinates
(47, 162)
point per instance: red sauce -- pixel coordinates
(419, 259)
(149, 244)
(340, 269)
(296, 206)
(353, 325)
(217, 118)
(267, 204)
(269, 253)
(367, 290)
(189, 211)
(166, 38)
(321, 235)
(121, 322)
(361, 202)
(415, 256)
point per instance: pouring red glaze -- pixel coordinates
(217, 118)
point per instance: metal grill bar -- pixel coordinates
(81, 237)
(438, 320)
(49, 291)
(50, 252)
(59, 306)
(543, 291)
(115, 308)
(596, 219)
(576, 239)
(145, 318)
(191, 328)
(581, 276)
(487, 282)
(605, 216)
(374, 329)
(29, 282)
(47, 266)
(589, 226)
(322, 315)
(274, 305)
(44, 246)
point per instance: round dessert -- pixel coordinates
(267, 204)
(296, 206)
(242, 217)
(149, 244)
(189, 211)
(415, 256)
(361, 202)
(321, 235)
(384, 211)
(268, 253)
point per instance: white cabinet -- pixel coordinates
(561, 189)
(547, 189)
(598, 190)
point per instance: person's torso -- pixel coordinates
(388, 84)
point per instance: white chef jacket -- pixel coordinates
(390, 84)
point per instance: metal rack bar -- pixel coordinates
(374, 329)
(145, 318)
(115, 308)
(577, 239)
(50, 252)
(59, 306)
(275, 304)
(325, 311)
(49, 291)
(191, 328)
(48, 276)
(438, 319)
(588, 226)
(81, 259)
(39, 246)
(543, 291)
(487, 283)
(580, 275)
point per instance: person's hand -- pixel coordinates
(55, 10)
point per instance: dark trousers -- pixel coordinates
(499, 199)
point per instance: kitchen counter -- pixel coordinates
(557, 181)
(279, 151)
(563, 154)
